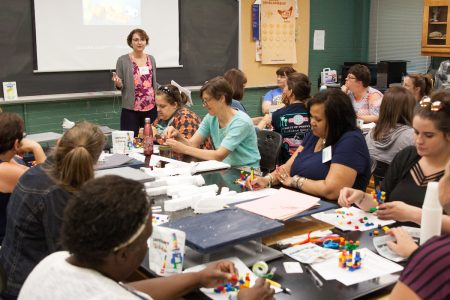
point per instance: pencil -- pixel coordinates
(278, 285)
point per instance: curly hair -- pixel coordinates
(103, 214)
(142, 34)
(11, 129)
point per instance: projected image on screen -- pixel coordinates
(112, 12)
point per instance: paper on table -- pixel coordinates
(373, 266)
(350, 218)
(242, 269)
(380, 243)
(281, 205)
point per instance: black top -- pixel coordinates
(399, 184)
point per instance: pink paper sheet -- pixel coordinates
(282, 205)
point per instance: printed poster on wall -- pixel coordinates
(278, 32)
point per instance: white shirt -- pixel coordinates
(55, 278)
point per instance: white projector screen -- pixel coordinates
(84, 35)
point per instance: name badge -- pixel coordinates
(144, 70)
(326, 154)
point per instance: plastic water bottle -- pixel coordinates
(431, 214)
(148, 142)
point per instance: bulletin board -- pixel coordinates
(259, 75)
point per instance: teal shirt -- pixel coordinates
(239, 137)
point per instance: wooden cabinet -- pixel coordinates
(435, 28)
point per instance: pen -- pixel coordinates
(314, 276)
(278, 285)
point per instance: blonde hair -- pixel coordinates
(76, 154)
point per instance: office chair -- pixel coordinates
(379, 172)
(269, 145)
(2, 279)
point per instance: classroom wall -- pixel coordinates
(264, 75)
(346, 23)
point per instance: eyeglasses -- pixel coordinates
(350, 77)
(205, 101)
(433, 106)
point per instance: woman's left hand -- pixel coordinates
(177, 146)
(398, 211)
(283, 176)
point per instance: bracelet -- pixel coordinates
(301, 182)
(270, 178)
(294, 181)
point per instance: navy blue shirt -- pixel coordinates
(292, 122)
(350, 150)
(238, 105)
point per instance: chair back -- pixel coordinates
(269, 145)
(2, 279)
(379, 172)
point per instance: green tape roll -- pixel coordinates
(260, 268)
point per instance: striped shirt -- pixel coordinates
(428, 270)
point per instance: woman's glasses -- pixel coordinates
(433, 106)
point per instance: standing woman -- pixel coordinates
(365, 99)
(419, 85)
(12, 142)
(37, 203)
(136, 78)
(231, 131)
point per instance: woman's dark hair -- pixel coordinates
(422, 81)
(441, 115)
(300, 85)
(142, 34)
(172, 95)
(285, 71)
(11, 129)
(76, 154)
(339, 113)
(102, 215)
(216, 88)
(397, 107)
(237, 80)
(362, 73)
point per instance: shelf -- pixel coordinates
(437, 38)
(438, 23)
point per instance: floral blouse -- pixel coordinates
(144, 93)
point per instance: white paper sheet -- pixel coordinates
(352, 215)
(319, 40)
(242, 269)
(380, 243)
(373, 266)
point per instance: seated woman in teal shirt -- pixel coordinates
(232, 131)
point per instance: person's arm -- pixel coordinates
(118, 75)
(265, 106)
(174, 137)
(29, 146)
(402, 291)
(204, 154)
(215, 274)
(374, 102)
(338, 176)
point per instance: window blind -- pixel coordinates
(396, 31)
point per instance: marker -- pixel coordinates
(278, 285)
